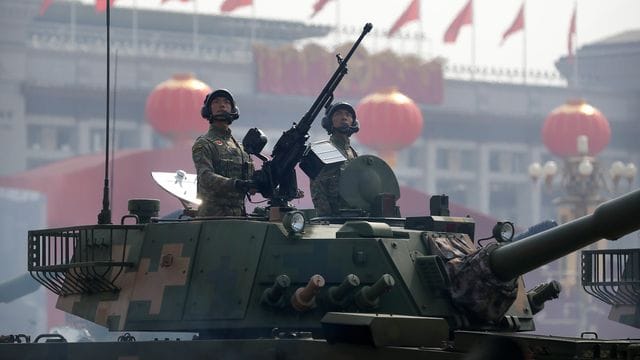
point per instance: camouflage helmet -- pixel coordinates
(327, 122)
(205, 112)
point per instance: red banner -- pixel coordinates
(572, 33)
(517, 25)
(288, 71)
(465, 17)
(230, 5)
(410, 14)
(317, 7)
(101, 5)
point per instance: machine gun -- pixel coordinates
(277, 178)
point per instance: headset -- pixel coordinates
(327, 123)
(205, 111)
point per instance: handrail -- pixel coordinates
(80, 259)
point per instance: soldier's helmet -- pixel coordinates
(327, 123)
(205, 111)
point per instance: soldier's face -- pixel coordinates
(220, 105)
(341, 118)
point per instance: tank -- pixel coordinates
(285, 283)
(282, 283)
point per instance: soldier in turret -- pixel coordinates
(222, 166)
(340, 123)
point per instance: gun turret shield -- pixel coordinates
(364, 178)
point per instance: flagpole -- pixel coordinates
(575, 49)
(473, 42)
(524, 42)
(73, 24)
(420, 29)
(338, 27)
(196, 48)
(135, 25)
(253, 22)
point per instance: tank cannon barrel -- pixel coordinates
(611, 220)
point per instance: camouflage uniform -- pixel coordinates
(219, 160)
(324, 188)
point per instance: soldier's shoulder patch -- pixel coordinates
(198, 145)
(218, 142)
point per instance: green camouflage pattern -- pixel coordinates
(325, 192)
(210, 275)
(219, 160)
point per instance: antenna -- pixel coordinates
(104, 217)
(113, 132)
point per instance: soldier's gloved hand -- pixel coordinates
(245, 186)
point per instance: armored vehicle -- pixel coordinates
(285, 284)
(298, 287)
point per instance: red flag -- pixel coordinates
(45, 5)
(411, 13)
(164, 1)
(572, 33)
(318, 6)
(465, 17)
(517, 25)
(101, 5)
(230, 5)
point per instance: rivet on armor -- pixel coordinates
(167, 260)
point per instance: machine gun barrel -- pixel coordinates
(610, 220)
(326, 94)
(287, 152)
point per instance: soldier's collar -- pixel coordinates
(219, 131)
(340, 140)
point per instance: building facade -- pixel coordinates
(476, 145)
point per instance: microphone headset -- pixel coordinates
(205, 111)
(327, 122)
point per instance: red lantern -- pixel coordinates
(565, 123)
(173, 107)
(389, 121)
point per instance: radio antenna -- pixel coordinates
(113, 132)
(104, 217)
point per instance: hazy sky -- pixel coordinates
(547, 24)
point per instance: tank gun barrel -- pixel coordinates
(611, 220)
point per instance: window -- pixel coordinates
(52, 138)
(507, 162)
(442, 159)
(460, 192)
(456, 160)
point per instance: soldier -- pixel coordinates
(222, 165)
(340, 123)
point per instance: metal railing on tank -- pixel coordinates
(81, 259)
(613, 275)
